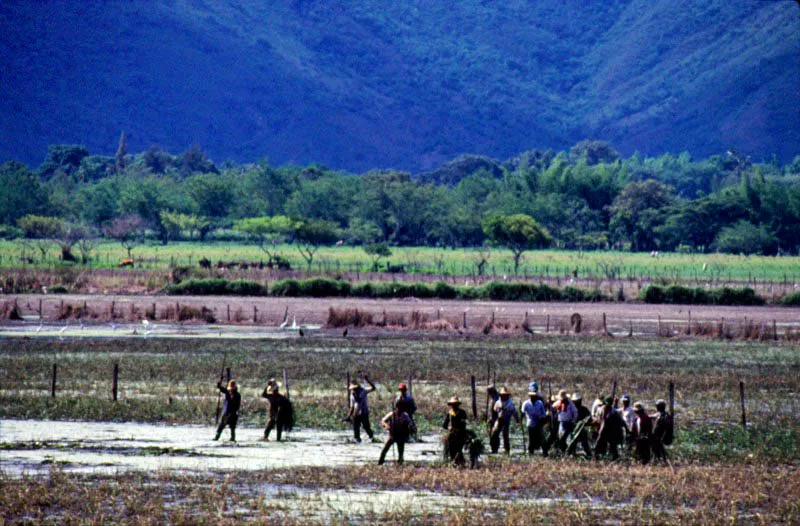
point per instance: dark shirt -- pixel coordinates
(406, 403)
(583, 412)
(233, 400)
(660, 424)
(456, 422)
(276, 403)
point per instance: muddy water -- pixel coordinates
(29, 446)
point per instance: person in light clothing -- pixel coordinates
(535, 418)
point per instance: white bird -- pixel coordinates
(284, 324)
(113, 326)
(39, 329)
(63, 329)
(82, 326)
(294, 322)
(146, 323)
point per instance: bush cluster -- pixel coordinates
(327, 288)
(217, 287)
(679, 294)
(791, 300)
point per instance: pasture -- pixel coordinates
(719, 470)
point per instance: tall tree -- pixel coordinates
(518, 233)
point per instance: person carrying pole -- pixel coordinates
(400, 427)
(280, 410)
(230, 409)
(505, 410)
(535, 415)
(610, 435)
(359, 409)
(580, 434)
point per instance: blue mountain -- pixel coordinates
(357, 84)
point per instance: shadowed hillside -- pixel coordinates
(410, 85)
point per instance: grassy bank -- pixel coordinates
(706, 268)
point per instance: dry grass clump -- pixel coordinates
(338, 318)
(9, 310)
(67, 311)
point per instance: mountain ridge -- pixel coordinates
(361, 85)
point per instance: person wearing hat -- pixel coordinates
(399, 426)
(584, 415)
(611, 432)
(567, 417)
(662, 431)
(455, 422)
(280, 410)
(505, 409)
(642, 433)
(533, 386)
(535, 417)
(359, 409)
(230, 411)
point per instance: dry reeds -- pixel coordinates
(338, 318)
(10, 311)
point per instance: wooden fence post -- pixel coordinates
(465, 319)
(347, 390)
(40, 310)
(774, 330)
(115, 382)
(229, 312)
(255, 314)
(410, 386)
(741, 396)
(672, 400)
(474, 398)
(547, 329)
(53, 382)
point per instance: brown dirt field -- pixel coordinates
(441, 315)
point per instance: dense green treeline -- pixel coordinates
(587, 198)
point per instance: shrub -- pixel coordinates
(217, 287)
(286, 287)
(791, 300)
(58, 289)
(678, 294)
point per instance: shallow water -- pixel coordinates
(30, 446)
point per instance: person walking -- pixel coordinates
(584, 417)
(611, 429)
(359, 409)
(494, 396)
(455, 422)
(506, 410)
(567, 417)
(663, 431)
(400, 427)
(642, 433)
(280, 410)
(535, 417)
(230, 410)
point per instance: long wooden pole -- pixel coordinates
(741, 396)
(474, 398)
(115, 382)
(286, 383)
(53, 382)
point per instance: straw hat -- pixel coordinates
(577, 397)
(504, 391)
(562, 394)
(454, 401)
(533, 393)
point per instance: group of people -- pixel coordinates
(600, 431)
(571, 424)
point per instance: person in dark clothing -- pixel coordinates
(611, 432)
(230, 411)
(494, 396)
(584, 415)
(505, 410)
(400, 427)
(642, 433)
(405, 401)
(280, 410)
(456, 425)
(662, 431)
(359, 409)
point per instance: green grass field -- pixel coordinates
(703, 268)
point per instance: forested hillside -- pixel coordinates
(588, 197)
(409, 85)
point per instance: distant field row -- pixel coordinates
(709, 268)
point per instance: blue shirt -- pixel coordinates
(534, 412)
